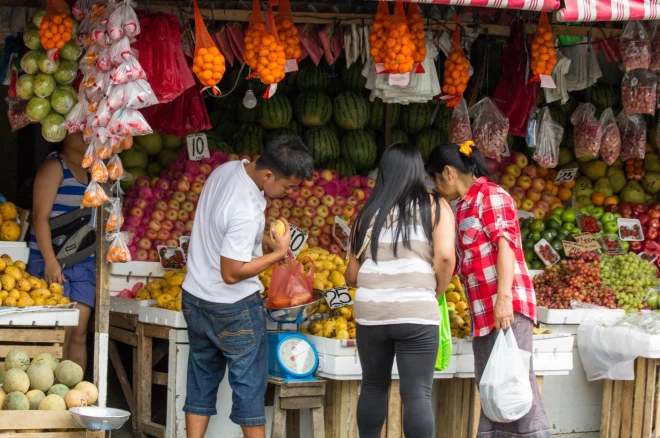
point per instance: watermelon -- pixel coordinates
(443, 119)
(296, 127)
(398, 136)
(249, 140)
(227, 130)
(275, 112)
(415, 117)
(215, 143)
(428, 140)
(350, 110)
(323, 143)
(247, 116)
(277, 133)
(377, 115)
(353, 79)
(341, 165)
(602, 96)
(313, 108)
(312, 78)
(335, 85)
(360, 148)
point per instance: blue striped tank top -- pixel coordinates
(69, 196)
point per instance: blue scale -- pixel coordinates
(291, 356)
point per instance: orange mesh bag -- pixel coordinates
(379, 31)
(209, 65)
(56, 27)
(253, 36)
(456, 70)
(416, 29)
(544, 57)
(400, 47)
(271, 60)
(287, 30)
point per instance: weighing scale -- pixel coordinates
(102, 419)
(291, 356)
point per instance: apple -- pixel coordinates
(539, 213)
(309, 212)
(277, 203)
(196, 188)
(183, 215)
(287, 203)
(597, 212)
(324, 240)
(306, 222)
(163, 234)
(183, 185)
(179, 197)
(160, 205)
(336, 210)
(652, 300)
(171, 215)
(530, 171)
(158, 215)
(371, 183)
(314, 231)
(521, 160)
(137, 212)
(527, 204)
(301, 202)
(312, 241)
(192, 214)
(205, 169)
(334, 248)
(200, 178)
(189, 225)
(327, 229)
(297, 212)
(318, 221)
(513, 170)
(167, 225)
(153, 256)
(327, 175)
(188, 206)
(176, 234)
(322, 211)
(345, 218)
(538, 184)
(556, 205)
(352, 200)
(610, 227)
(143, 181)
(295, 221)
(330, 220)
(329, 201)
(654, 206)
(173, 204)
(359, 194)
(308, 183)
(145, 220)
(543, 205)
(233, 157)
(154, 225)
(192, 197)
(295, 192)
(340, 200)
(142, 254)
(517, 191)
(547, 196)
(285, 213)
(349, 210)
(313, 201)
(273, 211)
(643, 218)
(318, 191)
(179, 225)
(640, 208)
(172, 242)
(305, 192)
(507, 180)
(151, 234)
(534, 195)
(144, 243)
(517, 200)
(524, 181)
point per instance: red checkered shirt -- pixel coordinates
(484, 216)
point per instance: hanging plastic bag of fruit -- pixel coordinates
(90, 156)
(118, 251)
(587, 131)
(633, 136)
(272, 59)
(544, 57)
(115, 218)
(115, 168)
(610, 145)
(489, 128)
(400, 47)
(139, 95)
(288, 32)
(379, 32)
(654, 64)
(638, 92)
(209, 65)
(549, 138)
(56, 28)
(289, 285)
(456, 71)
(94, 195)
(253, 36)
(460, 130)
(417, 34)
(635, 47)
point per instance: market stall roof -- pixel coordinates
(609, 10)
(524, 5)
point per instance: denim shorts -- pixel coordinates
(225, 336)
(80, 284)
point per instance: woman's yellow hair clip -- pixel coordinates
(465, 148)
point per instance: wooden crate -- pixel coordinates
(32, 340)
(59, 423)
(631, 408)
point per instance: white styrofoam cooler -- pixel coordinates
(18, 251)
(572, 316)
(125, 275)
(42, 318)
(164, 317)
(128, 305)
(551, 343)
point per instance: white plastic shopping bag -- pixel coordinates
(504, 389)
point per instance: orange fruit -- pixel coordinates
(611, 200)
(564, 194)
(568, 185)
(597, 198)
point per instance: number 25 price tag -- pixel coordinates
(566, 175)
(198, 147)
(337, 297)
(298, 239)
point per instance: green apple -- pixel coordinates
(607, 217)
(652, 300)
(557, 212)
(610, 227)
(625, 245)
(597, 212)
(586, 209)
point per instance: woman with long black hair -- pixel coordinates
(402, 254)
(492, 266)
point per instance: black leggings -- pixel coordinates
(416, 348)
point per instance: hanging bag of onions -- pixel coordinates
(56, 28)
(379, 32)
(253, 36)
(287, 31)
(544, 57)
(209, 64)
(456, 70)
(416, 29)
(400, 47)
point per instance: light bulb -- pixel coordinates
(249, 101)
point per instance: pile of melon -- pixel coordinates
(44, 384)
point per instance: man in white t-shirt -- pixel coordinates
(221, 298)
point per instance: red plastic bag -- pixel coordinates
(490, 128)
(635, 46)
(236, 39)
(185, 114)
(587, 131)
(638, 92)
(308, 34)
(289, 285)
(633, 136)
(460, 130)
(221, 38)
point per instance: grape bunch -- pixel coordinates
(631, 277)
(576, 279)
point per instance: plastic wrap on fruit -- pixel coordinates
(121, 50)
(98, 36)
(94, 195)
(139, 95)
(115, 168)
(654, 65)
(638, 90)
(89, 157)
(548, 140)
(118, 251)
(128, 122)
(116, 97)
(76, 120)
(104, 62)
(102, 116)
(610, 145)
(490, 128)
(634, 46)
(104, 149)
(97, 89)
(130, 20)
(115, 217)
(633, 136)
(587, 131)
(99, 171)
(115, 26)
(460, 130)
(129, 70)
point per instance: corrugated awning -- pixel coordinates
(524, 5)
(609, 10)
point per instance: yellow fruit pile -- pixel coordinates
(340, 326)
(459, 315)
(166, 291)
(19, 289)
(9, 229)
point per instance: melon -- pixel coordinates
(16, 401)
(350, 110)
(245, 115)
(249, 140)
(52, 402)
(171, 142)
(428, 140)
(69, 373)
(442, 119)
(89, 390)
(377, 115)
(136, 156)
(3, 395)
(275, 112)
(17, 359)
(16, 380)
(2, 375)
(353, 79)
(75, 399)
(398, 136)
(297, 127)
(34, 398)
(227, 130)
(152, 143)
(341, 165)
(415, 117)
(323, 144)
(313, 108)
(359, 147)
(312, 78)
(41, 376)
(58, 389)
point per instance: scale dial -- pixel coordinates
(297, 356)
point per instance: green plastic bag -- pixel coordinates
(444, 350)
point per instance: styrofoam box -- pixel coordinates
(164, 317)
(572, 316)
(126, 275)
(128, 305)
(534, 272)
(18, 251)
(48, 318)
(336, 347)
(551, 343)
(544, 363)
(349, 368)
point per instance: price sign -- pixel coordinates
(566, 175)
(506, 152)
(198, 147)
(587, 240)
(574, 247)
(337, 297)
(298, 239)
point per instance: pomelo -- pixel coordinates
(41, 376)
(75, 399)
(17, 359)
(152, 143)
(90, 391)
(58, 389)
(35, 397)
(48, 358)
(16, 401)
(16, 380)
(52, 402)
(69, 373)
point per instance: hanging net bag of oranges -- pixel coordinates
(417, 35)
(456, 70)
(209, 64)
(271, 60)
(56, 28)
(379, 32)
(544, 57)
(255, 30)
(287, 31)
(400, 46)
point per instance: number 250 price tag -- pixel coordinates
(337, 297)
(298, 239)
(198, 147)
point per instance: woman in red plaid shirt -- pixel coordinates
(492, 266)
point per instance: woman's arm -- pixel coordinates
(352, 271)
(444, 251)
(46, 183)
(503, 309)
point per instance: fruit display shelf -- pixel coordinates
(125, 275)
(40, 317)
(128, 306)
(572, 316)
(24, 424)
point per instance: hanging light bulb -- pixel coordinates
(249, 101)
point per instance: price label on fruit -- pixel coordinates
(574, 247)
(171, 257)
(341, 232)
(506, 152)
(587, 240)
(566, 175)
(298, 239)
(198, 147)
(337, 297)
